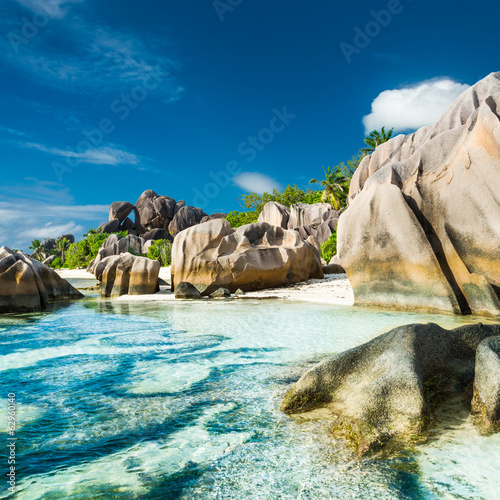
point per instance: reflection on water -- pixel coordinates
(181, 400)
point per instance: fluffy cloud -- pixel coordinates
(410, 108)
(255, 183)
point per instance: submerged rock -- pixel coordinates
(384, 392)
(421, 229)
(185, 290)
(486, 401)
(251, 257)
(27, 285)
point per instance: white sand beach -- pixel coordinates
(332, 289)
(82, 274)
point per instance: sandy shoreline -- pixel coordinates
(333, 289)
(82, 274)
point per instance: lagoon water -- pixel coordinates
(181, 400)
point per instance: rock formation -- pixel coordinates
(251, 257)
(127, 274)
(486, 402)
(186, 217)
(154, 213)
(385, 391)
(319, 220)
(116, 245)
(27, 285)
(120, 210)
(421, 229)
(186, 290)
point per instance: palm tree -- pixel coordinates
(375, 138)
(334, 183)
(62, 245)
(37, 247)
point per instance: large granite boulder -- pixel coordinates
(184, 218)
(27, 285)
(112, 226)
(186, 290)
(120, 210)
(385, 391)
(153, 211)
(318, 220)
(486, 401)
(157, 234)
(421, 229)
(48, 244)
(116, 245)
(69, 237)
(275, 214)
(127, 274)
(210, 217)
(251, 257)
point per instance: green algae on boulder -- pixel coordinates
(382, 394)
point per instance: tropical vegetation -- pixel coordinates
(37, 247)
(161, 250)
(376, 138)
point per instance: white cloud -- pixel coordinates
(52, 8)
(81, 56)
(255, 183)
(23, 220)
(43, 209)
(105, 155)
(410, 108)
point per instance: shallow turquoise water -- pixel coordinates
(181, 400)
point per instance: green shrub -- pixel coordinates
(329, 248)
(161, 250)
(81, 253)
(57, 263)
(237, 219)
(288, 197)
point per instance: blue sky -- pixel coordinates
(205, 101)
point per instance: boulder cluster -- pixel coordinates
(127, 274)
(27, 285)
(156, 217)
(422, 227)
(385, 392)
(251, 257)
(318, 220)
